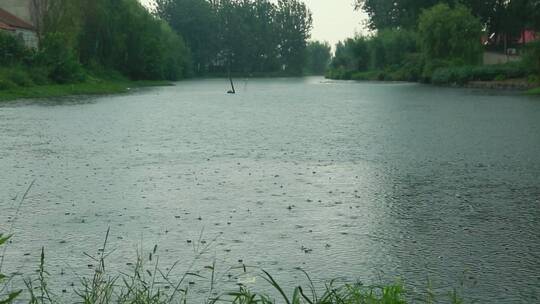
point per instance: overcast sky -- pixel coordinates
(333, 20)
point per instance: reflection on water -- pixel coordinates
(343, 179)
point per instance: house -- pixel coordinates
(528, 36)
(18, 27)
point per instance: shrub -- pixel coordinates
(6, 84)
(39, 75)
(339, 73)
(464, 74)
(12, 50)
(391, 47)
(19, 77)
(533, 79)
(531, 58)
(59, 60)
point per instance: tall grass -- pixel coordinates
(147, 283)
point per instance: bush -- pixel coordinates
(531, 58)
(20, 77)
(390, 48)
(15, 76)
(39, 75)
(339, 73)
(463, 74)
(12, 50)
(6, 84)
(533, 79)
(392, 54)
(58, 58)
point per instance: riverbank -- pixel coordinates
(85, 88)
(497, 77)
(535, 91)
(146, 282)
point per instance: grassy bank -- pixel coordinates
(84, 88)
(535, 91)
(146, 282)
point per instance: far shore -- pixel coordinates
(119, 87)
(83, 88)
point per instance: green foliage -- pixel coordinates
(318, 57)
(463, 74)
(12, 50)
(59, 59)
(10, 297)
(390, 47)
(19, 77)
(196, 21)
(146, 282)
(90, 87)
(503, 18)
(123, 35)
(248, 37)
(535, 91)
(352, 55)
(294, 27)
(6, 84)
(532, 56)
(388, 55)
(447, 33)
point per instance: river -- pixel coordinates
(359, 181)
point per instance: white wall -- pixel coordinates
(30, 38)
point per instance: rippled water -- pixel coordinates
(366, 181)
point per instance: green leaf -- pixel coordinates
(12, 296)
(4, 239)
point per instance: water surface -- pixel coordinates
(363, 181)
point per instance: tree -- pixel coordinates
(390, 47)
(352, 54)
(196, 21)
(243, 36)
(384, 14)
(450, 34)
(49, 16)
(318, 57)
(12, 50)
(294, 22)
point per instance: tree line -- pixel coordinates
(500, 17)
(243, 36)
(437, 40)
(88, 39)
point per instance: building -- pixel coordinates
(19, 8)
(528, 36)
(15, 19)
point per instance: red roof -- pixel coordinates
(13, 21)
(5, 27)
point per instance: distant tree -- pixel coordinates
(502, 17)
(243, 36)
(390, 47)
(318, 57)
(197, 22)
(294, 22)
(352, 54)
(451, 34)
(384, 14)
